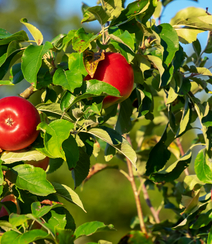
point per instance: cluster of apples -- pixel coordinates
(19, 118)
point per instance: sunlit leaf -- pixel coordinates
(37, 35)
(68, 79)
(11, 157)
(32, 61)
(115, 140)
(6, 37)
(32, 179)
(202, 166)
(90, 228)
(27, 237)
(69, 194)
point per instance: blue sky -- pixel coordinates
(68, 7)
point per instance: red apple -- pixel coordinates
(116, 71)
(18, 123)
(42, 163)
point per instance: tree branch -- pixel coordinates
(136, 194)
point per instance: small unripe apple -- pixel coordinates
(116, 71)
(41, 164)
(8, 198)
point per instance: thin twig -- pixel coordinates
(147, 199)
(136, 195)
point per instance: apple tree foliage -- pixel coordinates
(166, 97)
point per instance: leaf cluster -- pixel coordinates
(164, 106)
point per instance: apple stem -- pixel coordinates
(136, 194)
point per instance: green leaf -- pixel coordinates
(172, 95)
(68, 39)
(31, 155)
(134, 237)
(160, 154)
(81, 170)
(32, 179)
(203, 71)
(192, 17)
(58, 43)
(27, 237)
(69, 194)
(12, 48)
(174, 170)
(6, 37)
(32, 61)
(189, 22)
(208, 48)
(132, 10)
(6, 83)
(1, 175)
(185, 118)
(100, 88)
(124, 124)
(87, 15)
(39, 211)
(57, 220)
(4, 33)
(90, 228)
(190, 203)
(53, 110)
(75, 63)
(123, 37)
(145, 100)
(109, 152)
(100, 14)
(17, 219)
(16, 73)
(69, 79)
(202, 166)
(94, 88)
(37, 35)
(203, 220)
(82, 40)
(188, 35)
(66, 100)
(197, 47)
(114, 139)
(170, 42)
(64, 236)
(71, 150)
(159, 65)
(207, 120)
(11, 54)
(113, 8)
(192, 182)
(55, 134)
(209, 241)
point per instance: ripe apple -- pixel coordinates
(42, 163)
(116, 71)
(8, 198)
(18, 122)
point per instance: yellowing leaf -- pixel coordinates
(37, 35)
